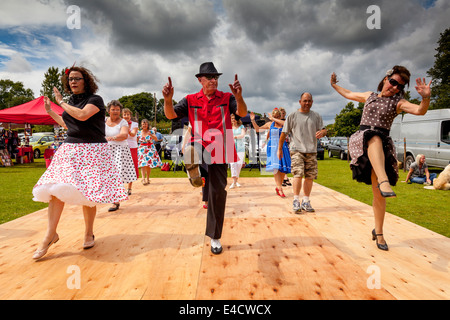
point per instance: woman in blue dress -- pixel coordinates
(278, 167)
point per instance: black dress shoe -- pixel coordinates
(114, 207)
(216, 250)
(380, 246)
(386, 194)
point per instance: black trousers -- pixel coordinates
(217, 198)
(214, 191)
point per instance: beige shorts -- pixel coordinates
(304, 165)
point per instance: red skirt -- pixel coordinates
(134, 155)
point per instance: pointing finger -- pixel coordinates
(235, 77)
(170, 82)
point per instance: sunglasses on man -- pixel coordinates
(211, 77)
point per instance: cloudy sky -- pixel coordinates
(278, 48)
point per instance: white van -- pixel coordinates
(428, 135)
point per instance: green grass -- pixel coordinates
(16, 185)
(428, 208)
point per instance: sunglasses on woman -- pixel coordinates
(395, 83)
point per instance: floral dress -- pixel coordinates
(147, 154)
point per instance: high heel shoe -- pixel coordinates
(40, 253)
(386, 194)
(380, 246)
(280, 193)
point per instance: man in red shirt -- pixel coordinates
(212, 140)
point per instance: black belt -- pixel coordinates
(382, 130)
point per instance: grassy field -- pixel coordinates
(428, 208)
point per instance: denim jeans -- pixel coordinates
(422, 180)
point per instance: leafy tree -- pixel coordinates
(52, 78)
(13, 94)
(347, 121)
(330, 130)
(440, 73)
(142, 105)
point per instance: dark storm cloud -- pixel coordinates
(162, 26)
(339, 25)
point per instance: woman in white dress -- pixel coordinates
(239, 135)
(116, 130)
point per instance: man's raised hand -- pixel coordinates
(236, 88)
(168, 90)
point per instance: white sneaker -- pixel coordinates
(238, 184)
(296, 206)
(306, 206)
(232, 185)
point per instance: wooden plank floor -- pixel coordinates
(154, 248)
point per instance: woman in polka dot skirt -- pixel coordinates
(116, 130)
(371, 148)
(82, 171)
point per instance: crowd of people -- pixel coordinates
(99, 156)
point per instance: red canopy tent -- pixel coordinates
(32, 112)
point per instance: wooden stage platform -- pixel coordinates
(154, 248)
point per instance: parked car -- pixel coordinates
(253, 148)
(320, 150)
(173, 142)
(338, 148)
(41, 141)
(324, 141)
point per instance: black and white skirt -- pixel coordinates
(124, 162)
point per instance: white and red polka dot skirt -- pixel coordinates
(81, 174)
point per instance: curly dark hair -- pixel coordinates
(90, 81)
(401, 71)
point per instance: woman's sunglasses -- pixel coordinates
(395, 83)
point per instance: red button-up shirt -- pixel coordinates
(211, 123)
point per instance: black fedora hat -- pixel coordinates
(207, 68)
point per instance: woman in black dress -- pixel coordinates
(371, 148)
